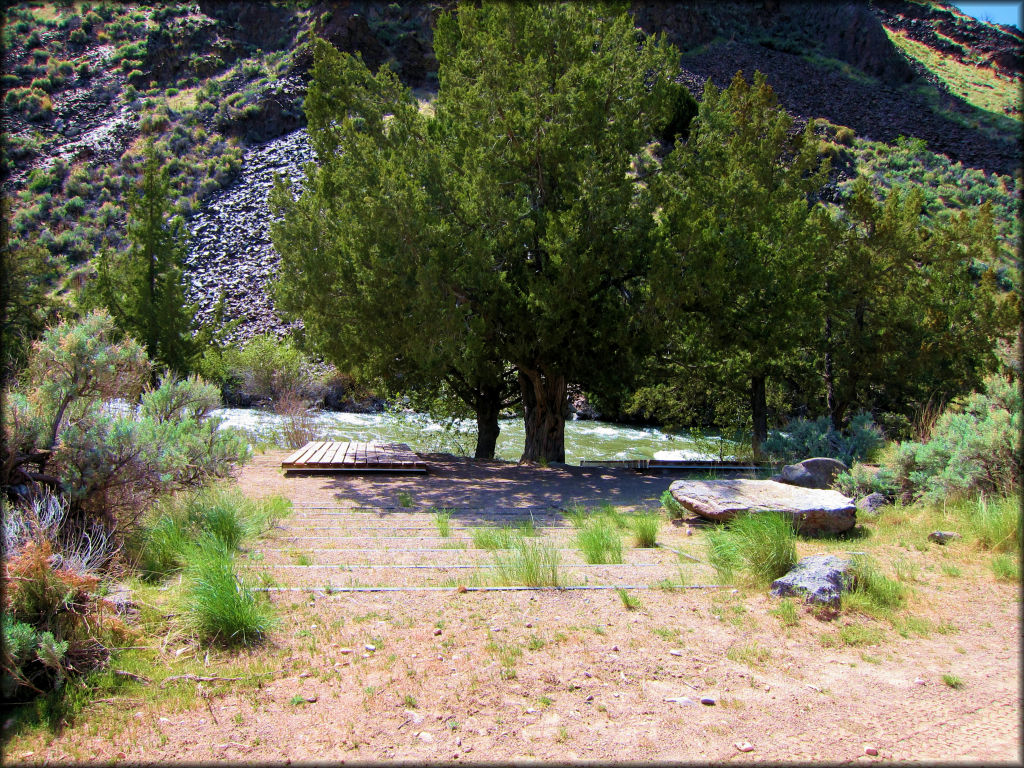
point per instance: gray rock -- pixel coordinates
(817, 579)
(707, 701)
(815, 512)
(943, 537)
(812, 473)
(872, 502)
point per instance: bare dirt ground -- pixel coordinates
(556, 675)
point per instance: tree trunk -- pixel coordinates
(759, 411)
(488, 406)
(834, 410)
(545, 408)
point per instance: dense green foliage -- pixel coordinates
(507, 227)
(740, 242)
(143, 287)
(803, 438)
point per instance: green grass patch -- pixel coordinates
(751, 654)
(871, 592)
(528, 564)
(493, 538)
(762, 546)
(953, 681)
(645, 530)
(442, 519)
(1006, 567)
(599, 540)
(786, 612)
(218, 605)
(996, 524)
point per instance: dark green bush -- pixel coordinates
(805, 438)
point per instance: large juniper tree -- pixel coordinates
(506, 228)
(742, 240)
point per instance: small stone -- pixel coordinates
(529, 625)
(587, 674)
(615, 648)
(589, 698)
(344, 650)
(370, 648)
(165, 720)
(365, 655)
(943, 537)
(415, 717)
(707, 701)
(869, 750)
(677, 652)
(744, 746)
(426, 737)
(311, 699)
(437, 632)
(919, 681)
(685, 701)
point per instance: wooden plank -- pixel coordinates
(294, 457)
(338, 454)
(318, 457)
(308, 450)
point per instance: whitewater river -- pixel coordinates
(591, 440)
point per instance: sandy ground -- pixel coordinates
(570, 675)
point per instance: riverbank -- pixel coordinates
(584, 439)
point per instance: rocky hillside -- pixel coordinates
(909, 92)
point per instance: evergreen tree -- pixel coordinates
(506, 229)
(144, 287)
(905, 323)
(741, 241)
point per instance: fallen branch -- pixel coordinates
(131, 676)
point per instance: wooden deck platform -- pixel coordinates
(331, 456)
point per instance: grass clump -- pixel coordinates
(675, 510)
(599, 541)
(168, 536)
(504, 537)
(528, 564)
(786, 612)
(1006, 568)
(629, 602)
(996, 524)
(645, 530)
(220, 607)
(953, 681)
(871, 592)
(763, 545)
(442, 519)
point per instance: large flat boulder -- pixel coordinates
(815, 512)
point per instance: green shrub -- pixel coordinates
(266, 366)
(1006, 568)
(972, 449)
(599, 541)
(762, 544)
(860, 481)
(504, 537)
(805, 438)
